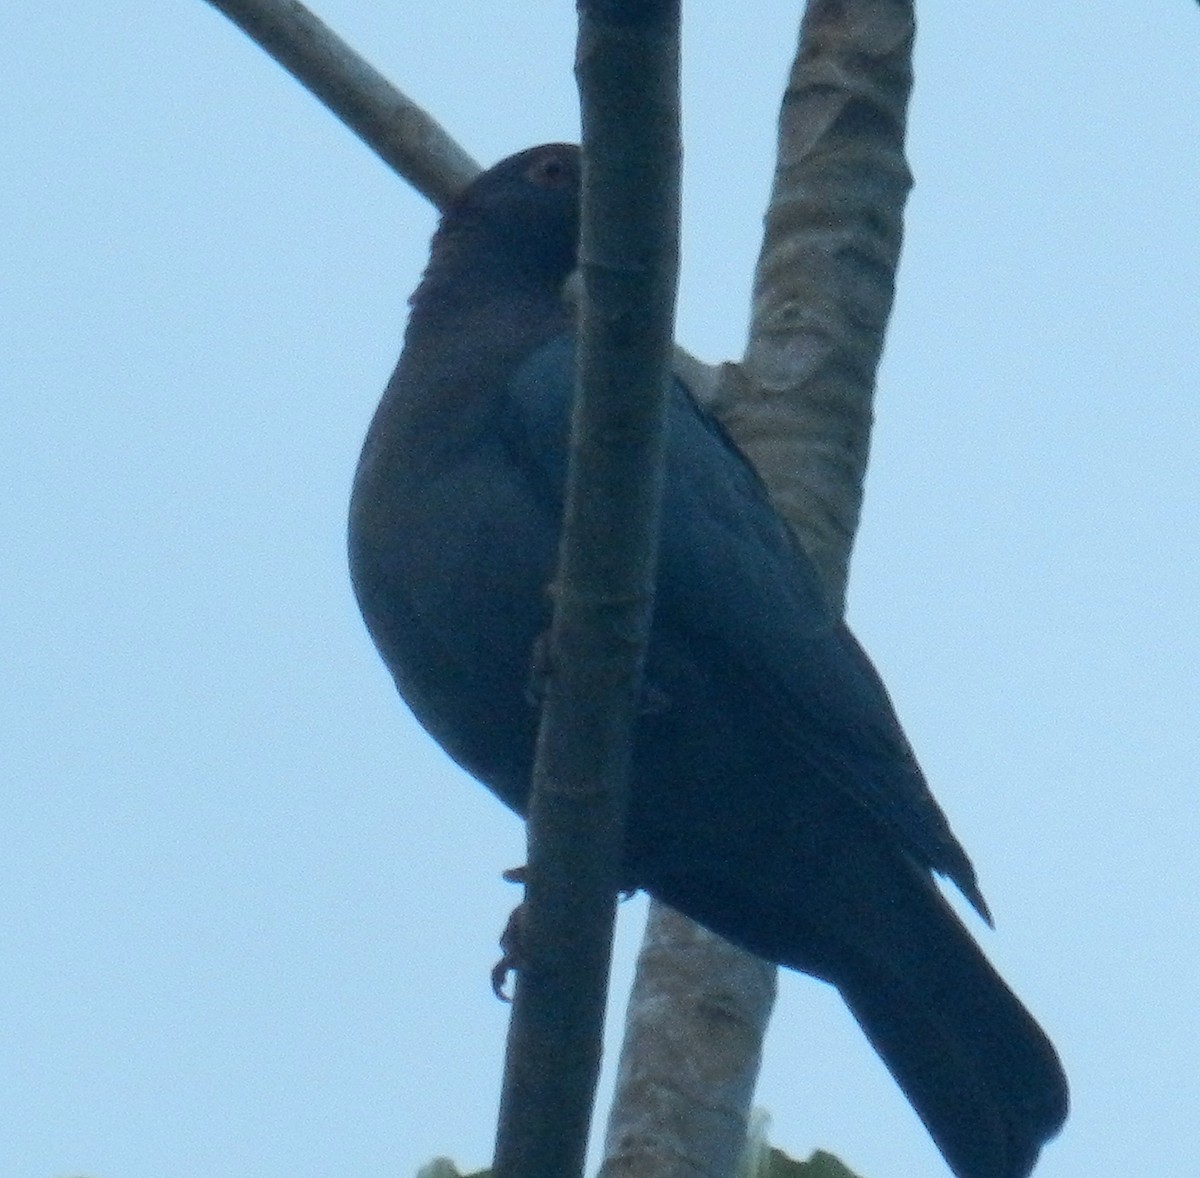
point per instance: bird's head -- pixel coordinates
(527, 208)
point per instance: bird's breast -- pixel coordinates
(451, 572)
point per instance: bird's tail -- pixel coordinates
(974, 1064)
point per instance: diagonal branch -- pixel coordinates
(403, 135)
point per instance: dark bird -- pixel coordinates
(774, 798)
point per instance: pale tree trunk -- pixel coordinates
(799, 405)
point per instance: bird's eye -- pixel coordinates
(549, 172)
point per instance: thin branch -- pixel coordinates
(627, 68)
(403, 135)
(800, 407)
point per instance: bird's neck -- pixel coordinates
(471, 327)
(475, 279)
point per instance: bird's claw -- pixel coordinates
(510, 950)
(510, 938)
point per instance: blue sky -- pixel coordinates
(246, 908)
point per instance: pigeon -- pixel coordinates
(774, 798)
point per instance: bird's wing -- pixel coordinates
(735, 586)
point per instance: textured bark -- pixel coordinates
(682, 1100)
(799, 405)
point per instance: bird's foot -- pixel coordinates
(510, 952)
(510, 938)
